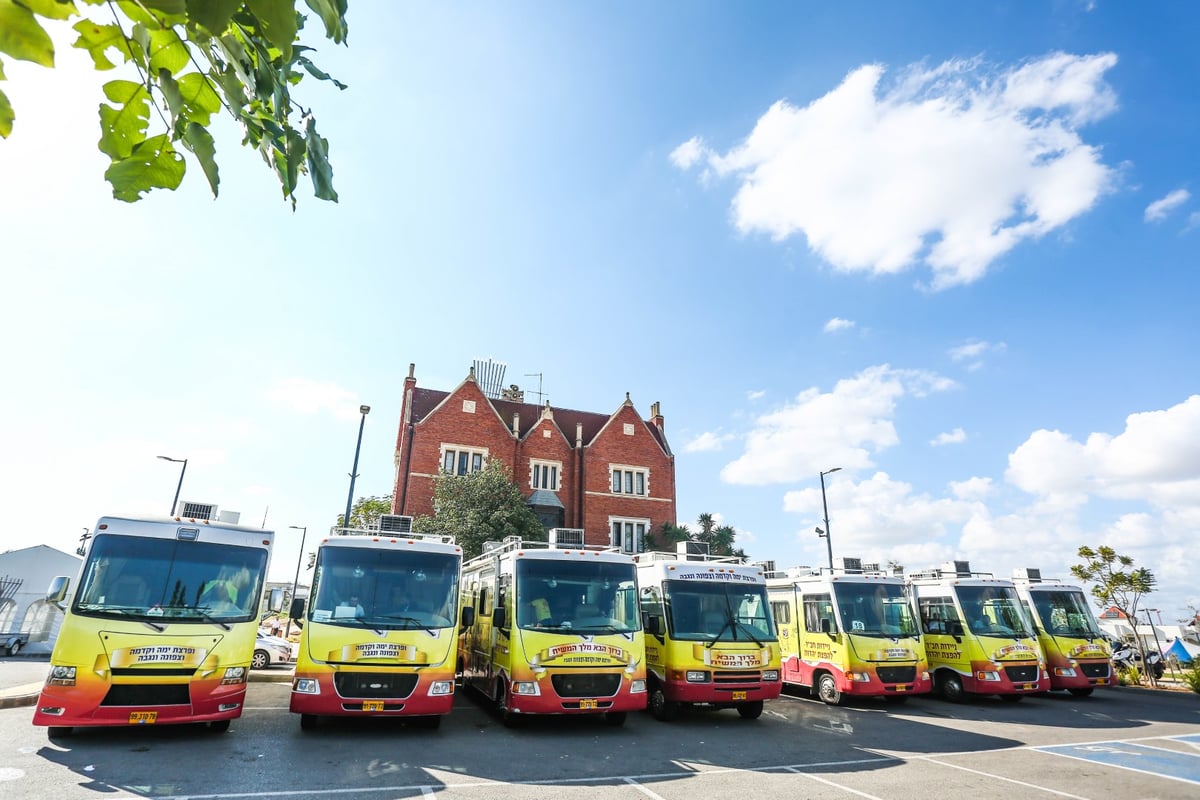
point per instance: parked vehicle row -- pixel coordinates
(161, 629)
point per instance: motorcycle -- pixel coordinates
(1126, 656)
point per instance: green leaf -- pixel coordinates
(213, 15)
(333, 15)
(277, 22)
(96, 39)
(318, 163)
(318, 74)
(167, 51)
(2, 78)
(6, 116)
(51, 9)
(172, 7)
(197, 139)
(122, 129)
(154, 164)
(170, 92)
(200, 100)
(22, 37)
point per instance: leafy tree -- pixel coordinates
(666, 538)
(190, 58)
(366, 511)
(1115, 583)
(482, 506)
(719, 538)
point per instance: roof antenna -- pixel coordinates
(541, 396)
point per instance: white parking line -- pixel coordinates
(644, 790)
(828, 782)
(933, 760)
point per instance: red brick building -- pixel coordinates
(613, 475)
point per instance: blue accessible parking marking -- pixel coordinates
(1137, 757)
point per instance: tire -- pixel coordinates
(219, 726)
(507, 716)
(308, 722)
(14, 648)
(662, 708)
(827, 689)
(55, 732)
(1081, 692)
(1011, 698)
(614, 719)
(261, 660)
(950, 685)
(751, 710)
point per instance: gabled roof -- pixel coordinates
(426, 400)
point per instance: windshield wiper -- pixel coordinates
(358, 622)
(203, 612)
(124, 611)
(749, 632)
(728, 623)
(408, 620)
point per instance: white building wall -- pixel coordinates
(35, 568)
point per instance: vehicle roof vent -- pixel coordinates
(560, 538)
(960, 568)
(395, 523)
(1028, 574)
(852, 565)
(188, 509)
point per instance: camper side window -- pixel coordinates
(936, 614)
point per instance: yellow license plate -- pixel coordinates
(1029, 687)
(739, 695)
(372, 705)
(143, 717)
(901, 688)
(588, 704)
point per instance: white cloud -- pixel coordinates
(972, 488)
(1156, 458)
(1159, 209)
(707, 442)
(838, 324)
(755, 394)
(1193, 221)
(689, 153)
(841, 428)
(973, 352)
(956, 436)
(951, 166)
(307, 396)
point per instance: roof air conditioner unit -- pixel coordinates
(566, 537)
(961, 569)
(690, 547)
(190, 510)
(768, 567)
(395, 523)
(849, 564)
(1028, 574)
(232, 517)
(799, 572)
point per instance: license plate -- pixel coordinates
(372, 705)
(1029, 687)
(739, 695)
(901, 688)
(143, 717)
(589, 704)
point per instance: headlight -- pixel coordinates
(859, 677)
(525, 687)
(696, 676)
(1064, 672)
(441, 687)
(61, 676)
(770, 675)
(234, 675)
(987, 676)
(306, 686)
(637, 686)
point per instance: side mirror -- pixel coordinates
(468, 617)
(56, 593)
(498, 617)
(297, 609)
(275, 601)
(826, 626)
(954, 628)
(654, 625)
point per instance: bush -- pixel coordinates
(1191, 676)
(1130, 676)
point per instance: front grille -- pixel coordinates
(173, 672)
(386, 707)
(154, 694)
(375, 684)
(1022, 674)
(737, 677)
(586, 685)
(897, 674)
(1095, 670)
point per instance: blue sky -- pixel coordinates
(948, 248)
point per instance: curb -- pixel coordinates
(18, 700)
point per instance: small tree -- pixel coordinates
(482, 506)
(719, 538)
(666, 538)
(1115, 583)
(366, 511)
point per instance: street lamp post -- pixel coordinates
(825, 508)
(183, 461)
(1157, 646)
(296, 581)
(364, 410)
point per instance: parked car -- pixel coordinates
(271, 650)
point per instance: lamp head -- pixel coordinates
(364, 410)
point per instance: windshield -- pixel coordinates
(869, 609)
(385, 589)
(1064, 613)
(187, 581)
(993, 611)
(702, 611)
(576, 596)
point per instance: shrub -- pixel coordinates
(1191, 676)
(1130, 676)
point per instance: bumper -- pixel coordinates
(720, 694)
(58, 706)
(328, 702)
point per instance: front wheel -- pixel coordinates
(55, 732)
(827, 689)
(219, 725)
(662, 708)
(952, 688)
(15, 648)
(751, 710)
(614, 719)
(1081, 692)
(260, 660)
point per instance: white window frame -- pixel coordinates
(628, 534)
(633, 481)
(538, 470)
(476, 458)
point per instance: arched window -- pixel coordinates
(8, 615)
(39, 620)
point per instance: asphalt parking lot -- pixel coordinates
(1121, 743)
